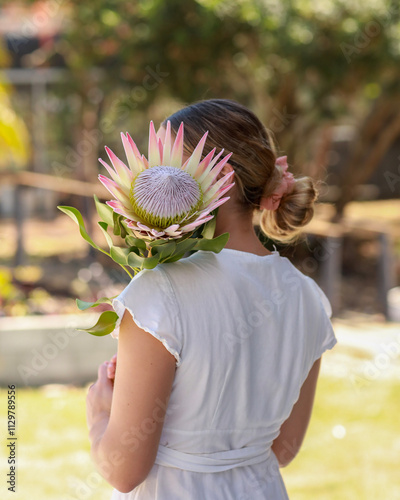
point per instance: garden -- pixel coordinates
(324, 78)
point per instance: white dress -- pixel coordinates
(245, 331)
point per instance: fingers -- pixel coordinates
(102, 371)
(111, 371)
(111, 367)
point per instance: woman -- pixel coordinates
(216, 374)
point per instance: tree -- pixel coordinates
(302, 66)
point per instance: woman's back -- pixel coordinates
(245, 330)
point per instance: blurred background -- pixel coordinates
(325, 78)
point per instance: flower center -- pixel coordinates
(164, 195)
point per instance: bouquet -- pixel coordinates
(163, 208)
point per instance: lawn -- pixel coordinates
(351, 451)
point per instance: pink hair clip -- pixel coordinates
(272, 201)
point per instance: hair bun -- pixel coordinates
(295, 210)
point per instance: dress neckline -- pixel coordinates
(250, 254)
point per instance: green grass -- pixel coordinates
(364, 463)
(54, 462)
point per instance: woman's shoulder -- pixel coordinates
(295, 279)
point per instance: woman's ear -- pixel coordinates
(227, 168)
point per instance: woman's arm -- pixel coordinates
(125, 435)
(293, 430)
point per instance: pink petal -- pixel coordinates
(194, 160)
(154, 152)
(111, 171)
(125, 174)
(221, 192)
(143, 226)
(166, 159)
(210, 166)
(196, 223)
(132, 154)
(145, 162)
(177, 149)
(217, 203)
(114, 189)
(204, 164)
(212, 176)
(121, 209)
(161, 150)
(156, 233)
(173, 234)
(215, 187)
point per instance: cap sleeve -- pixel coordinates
(150, 299)
(324, 335)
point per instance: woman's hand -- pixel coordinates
(99, 398)
(112, 364)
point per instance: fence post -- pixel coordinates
(386, 270)
(19, 211)
(332, 271)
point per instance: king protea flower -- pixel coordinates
(163, 197)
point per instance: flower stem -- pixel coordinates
(125, 269)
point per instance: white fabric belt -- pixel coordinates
(213, 462)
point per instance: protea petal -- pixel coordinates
(145, 162)
(173, 230)
(132, 154)
(177, 149)
(204, 164)
(212, 176)
(140, 225)
(194, 160)
(220, 192)
(154, 151)
(216, 187)
(196, 223)
(215, 204)
(111, 171)
(125, 174)
(166, 157)
(156, 233)
(114, 189)
(121, 209)
(210, 167)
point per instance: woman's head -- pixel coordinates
(236, 129)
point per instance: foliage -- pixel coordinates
(136, 254)
(14, 137)
(302, 66)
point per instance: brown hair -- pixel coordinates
(236, 129)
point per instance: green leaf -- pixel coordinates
(116, 224)
(78, 219)
(181, 249)
(124, 232)
(104, 226)
(215, 245)
(158, 243)
(165, 250)
(82, 305)
(151, 262)
(105, 212)
(135, 260)
(185, 246)
(105, 324)
(174, 258)
(119, 228)
(131, 241)
(209, 228)
(120, 255)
